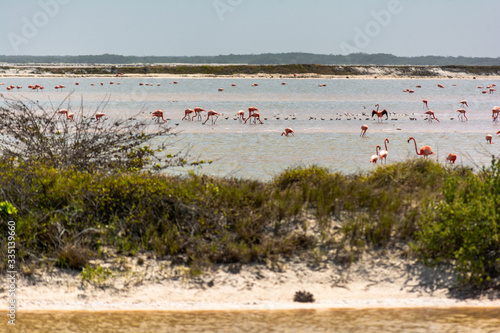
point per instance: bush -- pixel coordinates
(34, 133)
(464, 228)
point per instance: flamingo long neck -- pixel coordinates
(377, 107)
(416, 150)
(385, 142)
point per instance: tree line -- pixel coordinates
(258, 59)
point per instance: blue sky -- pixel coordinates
(212, 27)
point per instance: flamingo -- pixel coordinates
(425, 150)
(431, 115)
(462, 114)
(380, 114)
(187, 112)
(251, 110)
(364, 128)
(452, 158)
(212, 114)
(197, 112)
(287, 131)
(383, 153)
(489, 137)
(440, 86)
(69, 116)
(241, 115)
(98, 116)
(495, 112)
(374, 158)
(157, 115)
(464, 103)
(256, 115)
(425, 103)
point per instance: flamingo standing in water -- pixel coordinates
(464, 103)
(452, 158)
(197, 112)
(364, 128)
(69, 116)
(429, 112)
(251, 110)
(425, 150)
(489, 137)
(374, 158)
(256, 117)
(187, 112)
(98, 116)
(287, 131)
(380, 114)
(425, 104)
(495, 112)
(157, 115)
(431, 115)
(461, 114)
(212, 114)
(241, 115)
(383, 153)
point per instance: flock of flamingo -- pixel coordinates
(253, 113)
(425, 150)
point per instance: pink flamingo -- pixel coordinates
(380, 114)
(98, 116)
(495, 112)
(197, 112)
(69, 116)
(452, 158)
(287, 131)
(187, 112)
(425, 150)
(489, 137)
(251, 110)
(431, 115)
(212, 114)
(364, 128)
(383, 153)
(464, 103)
(241, 115)
(425, 104)
(256, 117)
(462, 114)
(157, 115)
(374, 158)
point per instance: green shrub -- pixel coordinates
(464, 227)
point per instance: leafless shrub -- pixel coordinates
(30, 131)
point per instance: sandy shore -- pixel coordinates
(377, 281)
(365, 72)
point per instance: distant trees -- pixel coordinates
(260, 59)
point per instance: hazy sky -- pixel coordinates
(213, 27)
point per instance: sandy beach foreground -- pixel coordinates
(376, 281)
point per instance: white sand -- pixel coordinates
(368, 72)
(374, 282)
